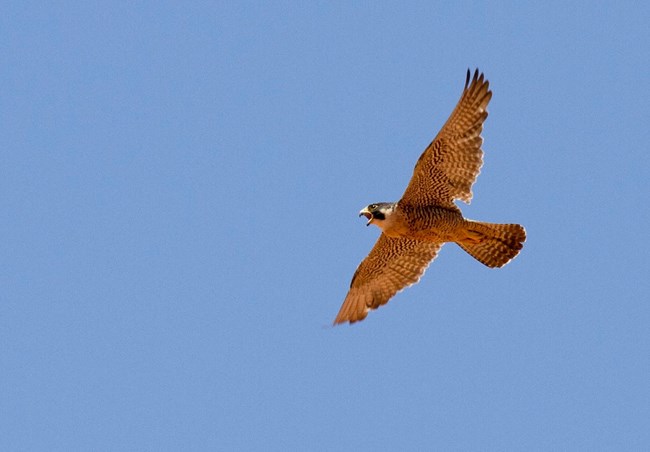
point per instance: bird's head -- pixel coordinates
(378, 213)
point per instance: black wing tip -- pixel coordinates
(477, 77)
(474, 78)
(477, 80)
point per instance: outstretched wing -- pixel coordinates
(447, 169)
(392, 265)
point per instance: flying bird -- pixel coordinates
(415, 227)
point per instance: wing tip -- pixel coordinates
(344, 317)
(477, 88)
(353, 309)
(477, 79)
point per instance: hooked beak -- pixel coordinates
(366, 213)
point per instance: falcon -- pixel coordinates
(414, 228)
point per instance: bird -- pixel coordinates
(414, 228)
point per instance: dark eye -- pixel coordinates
(372, 206)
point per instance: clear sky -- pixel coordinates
(179, 194)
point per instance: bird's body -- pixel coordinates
(428, 223)
(415, 228)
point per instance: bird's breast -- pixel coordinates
(435, 224)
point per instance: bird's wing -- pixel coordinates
(392, 265)
(447, 168)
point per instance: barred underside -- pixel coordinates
(392, 265)
(449, 166)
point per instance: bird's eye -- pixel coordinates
(372, 206)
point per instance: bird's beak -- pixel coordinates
(366, 213)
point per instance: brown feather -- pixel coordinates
(448, 168)
(392, 265)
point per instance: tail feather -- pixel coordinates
(494, 245)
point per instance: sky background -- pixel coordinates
(180, 191)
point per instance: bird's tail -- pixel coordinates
(492, 244)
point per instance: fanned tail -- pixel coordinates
(492, 244)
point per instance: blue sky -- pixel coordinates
(180, 190)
